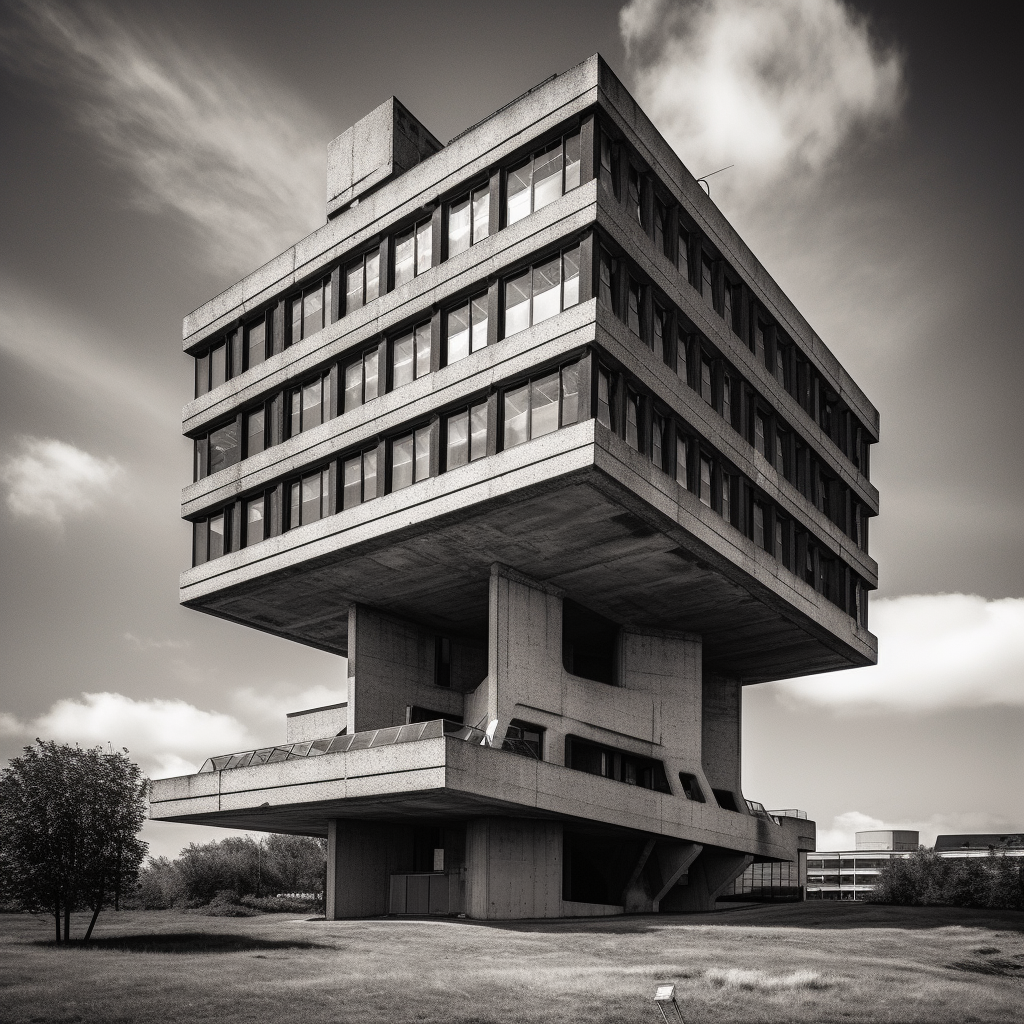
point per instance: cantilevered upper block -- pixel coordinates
(386, 142)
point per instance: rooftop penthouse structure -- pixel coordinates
(528, 435)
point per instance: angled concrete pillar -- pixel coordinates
(707, 878)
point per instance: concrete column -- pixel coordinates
(720, 735)
(513, 868)
(361, 857)
(707, 878)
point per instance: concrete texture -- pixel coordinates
(316, 723)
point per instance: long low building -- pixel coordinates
(527, 434)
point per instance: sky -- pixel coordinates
(155, 153)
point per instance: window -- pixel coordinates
(684, 253)
(256, 343)
(255, 431)
(780, 456)
(632, 769)
(466, 328)
(759, 343)
(683, 358)
(410, 458)
(658, 427)
(604, 398)
(705, 381)
(778, 540)
(633, 311)
(468, 220)
(362, 281)
(541, 406)
(524, 738)
(706, 289)
(309, 499)
(542, 178)
(780, 364)
(210, 537)
(705, 481)
(413, 252)
(309, 405)
(682, 461)
(727, 398)
(311, 311)
(727, 498)
(606, 171)
(542, 292)
(255, 520)
(604, 287)
(217, 450)
(634, 195)
(759, 536)
(359, 479)
(466, 436)
(218, 366)
(659, 322)
(727, 304)
(660, 223)
(633, 420)
(410, 356)
(691, 787)
(362, 380)
(760, 434)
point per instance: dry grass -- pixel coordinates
(808, 962)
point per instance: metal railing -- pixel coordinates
(354, 741)
(757, 809)
(789, 812)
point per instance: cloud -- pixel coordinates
(934, 651)
(270, 705)
(50, 481)
(138, 643)
(772, 86)
(240, 159)
(842, 833)
(166, 737)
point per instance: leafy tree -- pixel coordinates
(69, 823)
(926, 879)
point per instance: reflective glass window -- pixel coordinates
(760, 433)
(371, 375)
(217, 538)
(705, 381)
(370, 474)
(726, 498)
(544, 405)
(634, 194)
(682, 456)
(311, 495)
(517, 412)
(372, 276)
(706, 289)
(354, 287)
(658, 441)
(778, 539)
(517, 192)
(633, 312)
(311, 412)
(202, 374)
(759, 526)
(727, 303)
(401, 462)
(660, 215)
(353, 386)
(517, 303)
(633, 420)
(604, 287)
(606, 164)
(405, 258)
(570, 394)
(422, 349)
(457, 446)
(256, 343)
(200, 542)
(424, 247)
(478, 323)
(481, 213)
(224, 446)
(705, 481)
(352, 482)
(312, 311)
(547, 290)
(727, 398)
(255, 426)
(759, 347)
(218, 366)
(684, 253)
(422, 453)
(402, 366)
(457, 330)
(572, 161)
(477, 431)
(570, 277)
(604, 405)
(547, 176)
(459, 226)
(682, 358)
(295, 413)
(254, 521)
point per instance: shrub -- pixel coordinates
(280, 904)
(926, 879)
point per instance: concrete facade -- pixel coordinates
(573, 606)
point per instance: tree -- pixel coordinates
(69, 823)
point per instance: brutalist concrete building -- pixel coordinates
(528, 435)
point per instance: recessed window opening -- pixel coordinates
(541, 406)
(727, 498)
(468, 220)
(309, 405)
(466, 328)
(410, 355)
(255, 431)
(605, 294)
(706, 271)
(217, 450)
(542, 178)
(410, 458)
(691, 787)
(255, 520)
(442, 661)
(633, 310)
(413, 252)
(660, 221)
(759, 534)
(359, 478)
(466, 436)
(658, 428)
(682, 460)
(633, 420)
(705, 381)
(612, 763)
(604, 398)
(684, 253)
(727, 304)
(311, 310)
(760, 434)
(308, 498)
(727, 398)
(705, 481)
(725, 800)
(525, 739)
(589, 642)
(362, 281)
(256, 342)
(606, 171)
(634, 195)
(542, 292)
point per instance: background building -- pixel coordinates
(527, 433)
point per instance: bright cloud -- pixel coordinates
(166, 737)
(270, 704)
(842, 834)
(772, 86)
(934, 651)
(49, 481)
(203, 136)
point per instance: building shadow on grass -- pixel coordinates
(188, 942)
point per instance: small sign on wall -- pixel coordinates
(439, 858)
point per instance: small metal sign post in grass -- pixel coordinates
(665, 1000)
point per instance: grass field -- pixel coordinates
(798, 962)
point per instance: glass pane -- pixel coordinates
(201, 467)
(325, 493)
(547, 291)
(605, 282)
(254, 522)
(371, 375)
(705, 482)
(458, 227)
(632, 422)
(354, 287)
(405, 258)
(684, 254)
(478, 431)
(478, 316)
(758, 526)
(705, 381)
(604, 408)
(310, 498)
(422, 350)
(372, 276)
(657, 433)
(759, 435)
(256, 347)
(517, 304)
(544, 402)
(517, 408)
(311, 405)
(570, 394)
(705, 281)
(224, 447)
(312, 311)
(518, 193)
(423, 453)
(547, 177)
(572, 161)
(200, 537)
(633, 313)
(570, 278)
(726, 499)
(424, 250)
(370, 475)
(295, 413)
(296, 305)
(217, 535)
(401, 462)
(202, 374)
(218, 366)
(458, 333)
(681, 459)
(352, 482)
(457, 451)
(353, 386)
(254, 432)
(481, 213)
(401, 360)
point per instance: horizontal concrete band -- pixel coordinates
(450, 775)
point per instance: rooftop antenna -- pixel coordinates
(703, 179)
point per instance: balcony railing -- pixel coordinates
(338, 744)
(789, 812)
